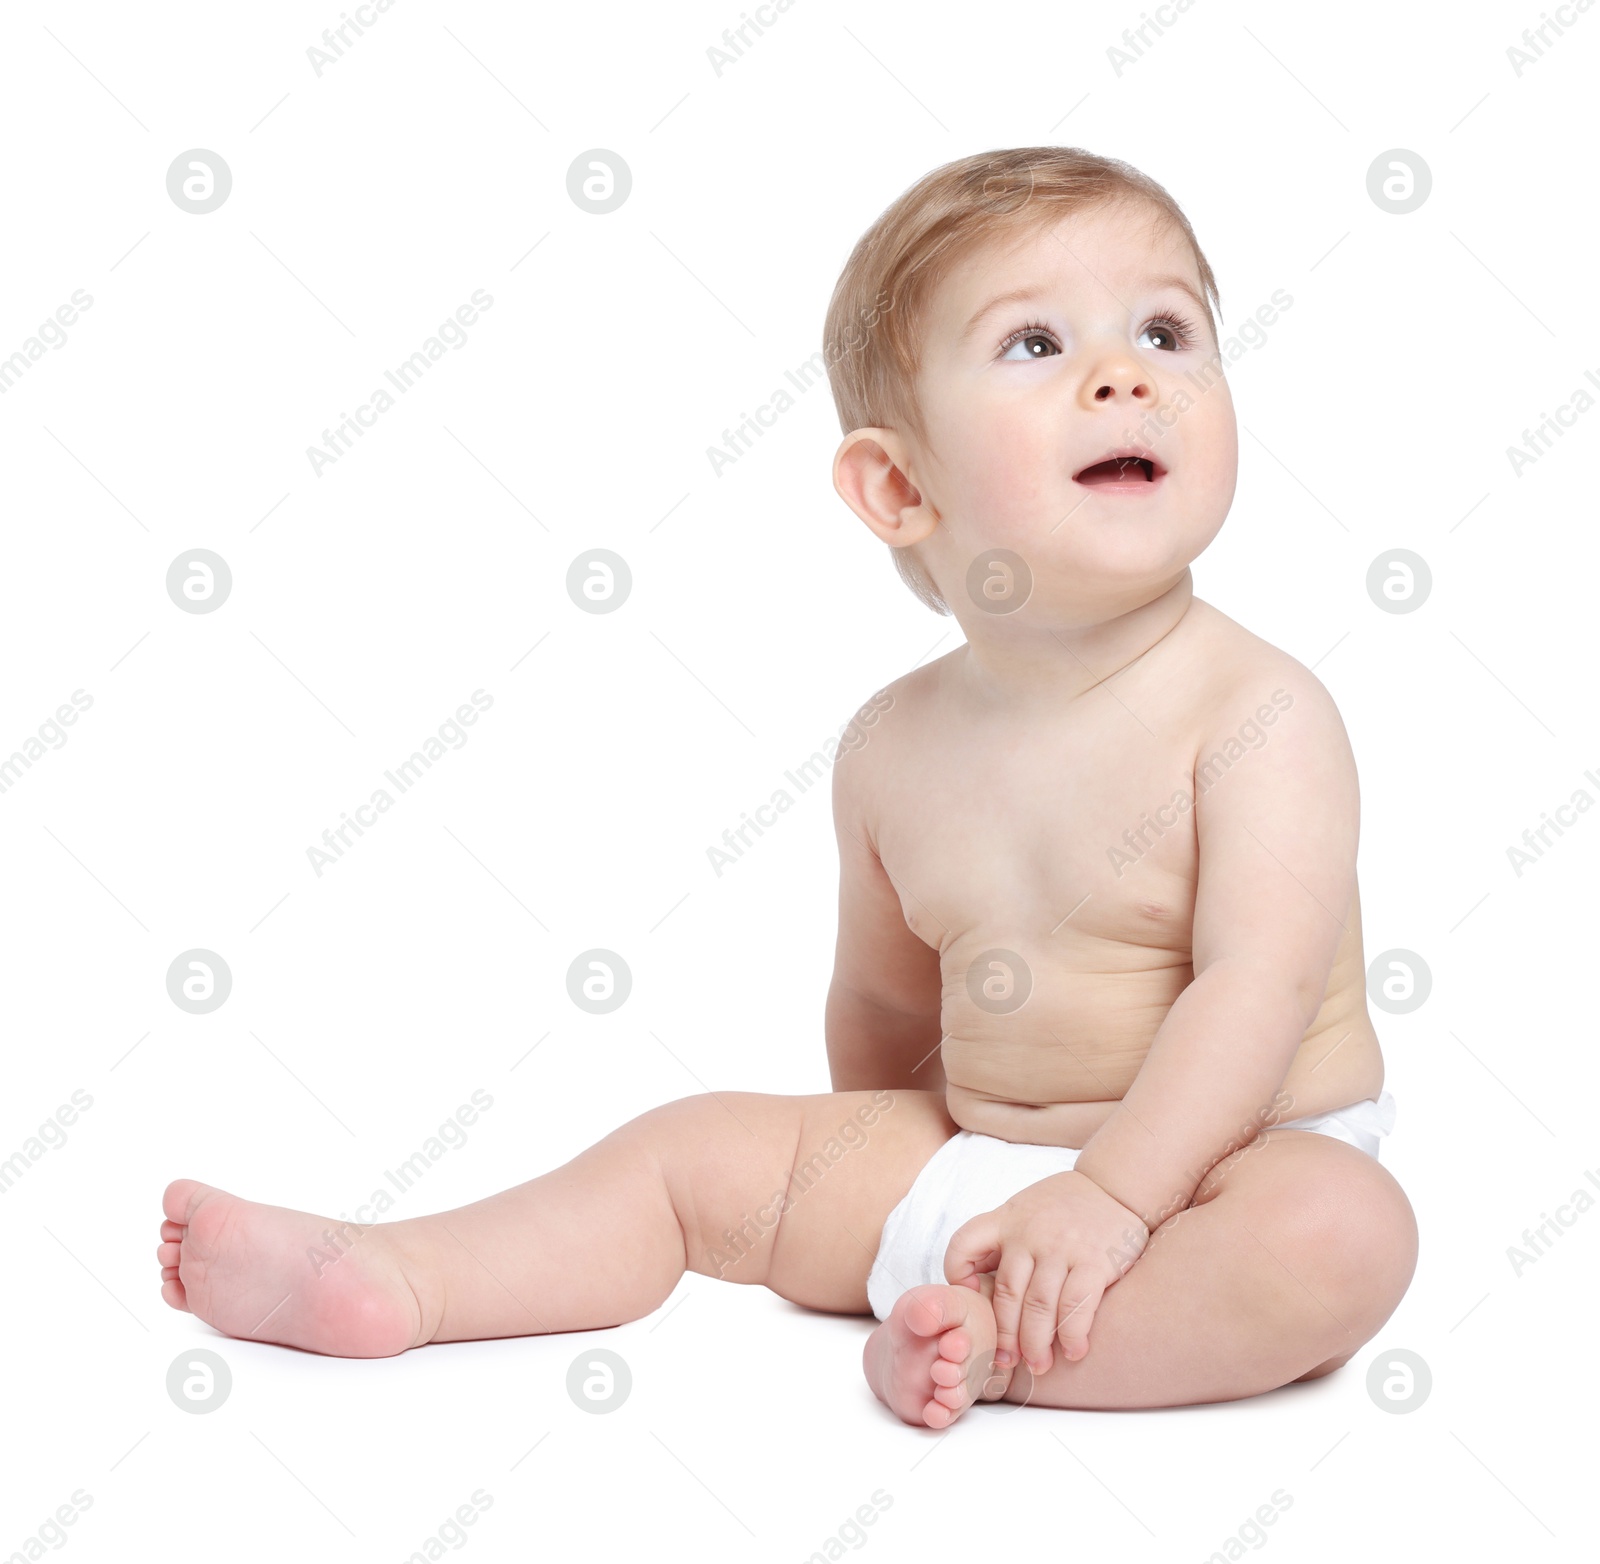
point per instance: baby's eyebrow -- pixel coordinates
(1035, 291)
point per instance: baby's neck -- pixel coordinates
(1005, 664)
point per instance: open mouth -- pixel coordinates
(1122, 472)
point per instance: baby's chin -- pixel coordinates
(1115, 542)
(1075, 595)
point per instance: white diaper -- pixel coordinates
(973, 1173)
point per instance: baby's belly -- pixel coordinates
(1055, 1080)
(1037, 1124)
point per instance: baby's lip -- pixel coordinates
(1126, 467)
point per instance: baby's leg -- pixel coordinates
(695, 1184)
(1294, 1252)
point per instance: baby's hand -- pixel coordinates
(1054, 1247)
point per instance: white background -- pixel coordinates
(368, 603)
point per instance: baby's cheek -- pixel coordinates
(1005, 485)
(1217, 466)
(1214, 450)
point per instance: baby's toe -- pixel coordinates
(956, 1345)
(924, 1310)
(172, 1293)
(173, 1230)
(178, 1197)
(944, 1372)
(169, 1253)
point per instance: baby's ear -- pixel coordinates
(869, 475)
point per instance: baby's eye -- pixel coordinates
(1035, 341)
(1173, 333)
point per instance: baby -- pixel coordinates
(1108, 1099)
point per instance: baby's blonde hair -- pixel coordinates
(871, 337)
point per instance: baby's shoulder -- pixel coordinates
(888, 735)
(1244, 673)
(902, 700)
(869, 733)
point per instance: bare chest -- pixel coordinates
(1078, 846)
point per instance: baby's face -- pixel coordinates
(1022, 398)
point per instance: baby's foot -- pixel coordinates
(263, 1273)
(934, 1355)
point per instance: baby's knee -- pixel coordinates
(1381, 1230)
(1355, 1239)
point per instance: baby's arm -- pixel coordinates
(1277, 852)
(883, 1004)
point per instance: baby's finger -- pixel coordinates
(1080, 1297)
(1010, 1285)
(1041, 1309)
(973, 1247)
